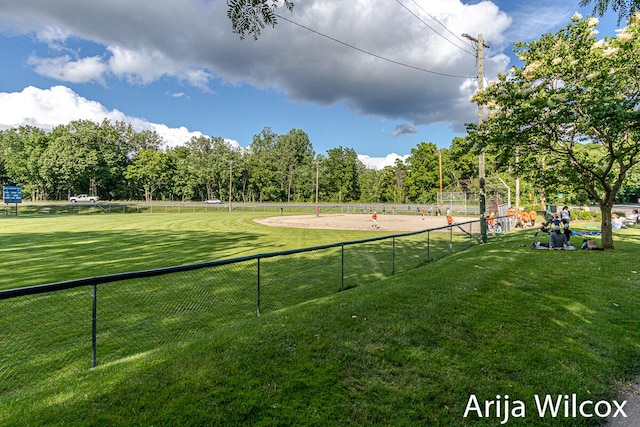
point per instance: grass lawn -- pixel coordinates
(38, 250)
(499, 319)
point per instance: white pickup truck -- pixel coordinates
(83, 198)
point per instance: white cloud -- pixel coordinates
(379, 163)
(90, 69)
(405, 129)
(191, 40)
(59, 105)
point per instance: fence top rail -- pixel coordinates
(97, 280)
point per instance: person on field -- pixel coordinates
(631, 219)
(617, 223)
(490, 222)
(526, 219)
(317, 211)
(544, 228)
(532, 215)
(511, 213)
(567, 232)
(374, 217)
(557, 239)
(565, 215)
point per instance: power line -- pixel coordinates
(434, 30)
(472, 52)
(370, 53)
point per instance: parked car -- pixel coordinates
(83, 198)
(212, 202)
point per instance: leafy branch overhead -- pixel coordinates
(571, 112)
(624, 8)
(252, 16)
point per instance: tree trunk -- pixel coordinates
(605, 227)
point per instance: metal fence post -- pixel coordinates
(451, 239)
(428, 246)
(342, 269)
(258, 312)
(393, 255)
(94, 327)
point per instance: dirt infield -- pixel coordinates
(362, 222)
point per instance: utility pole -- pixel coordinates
(317, 175)
(230, 182)
(440, 168)
(483, 193)
(518, 180)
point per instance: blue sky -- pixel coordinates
(174, 66)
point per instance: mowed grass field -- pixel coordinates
(47, 249)
(498, 319)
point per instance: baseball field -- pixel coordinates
(417, 348)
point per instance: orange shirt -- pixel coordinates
(525, 217)
(374, 216)
(533, 214)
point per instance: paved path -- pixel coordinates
(631, 408)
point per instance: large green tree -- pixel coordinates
(114, 145)
(184, 184)
(150, 169)
(262, 167)
(208, 162)
(624, 8)
(71, 161)
(252, 16)
(394, 179)
(423, 179)
(296, 172)
(575, 103)
(340, 171)
(20, 152)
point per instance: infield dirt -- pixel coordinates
(386, 222)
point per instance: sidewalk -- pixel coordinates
(631, 408)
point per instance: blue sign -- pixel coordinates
(12, 194)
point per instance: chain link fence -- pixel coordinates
(49, 331)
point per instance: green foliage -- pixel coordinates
(424, 175)
(149, 169)
(20, 153)
(252, 16)
(340, 171)
(89, 157)
(570, 113)
(624, 8)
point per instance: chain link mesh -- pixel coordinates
(47, 335)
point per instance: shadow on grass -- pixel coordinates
(75, 255)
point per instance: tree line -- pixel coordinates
(115, 162)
